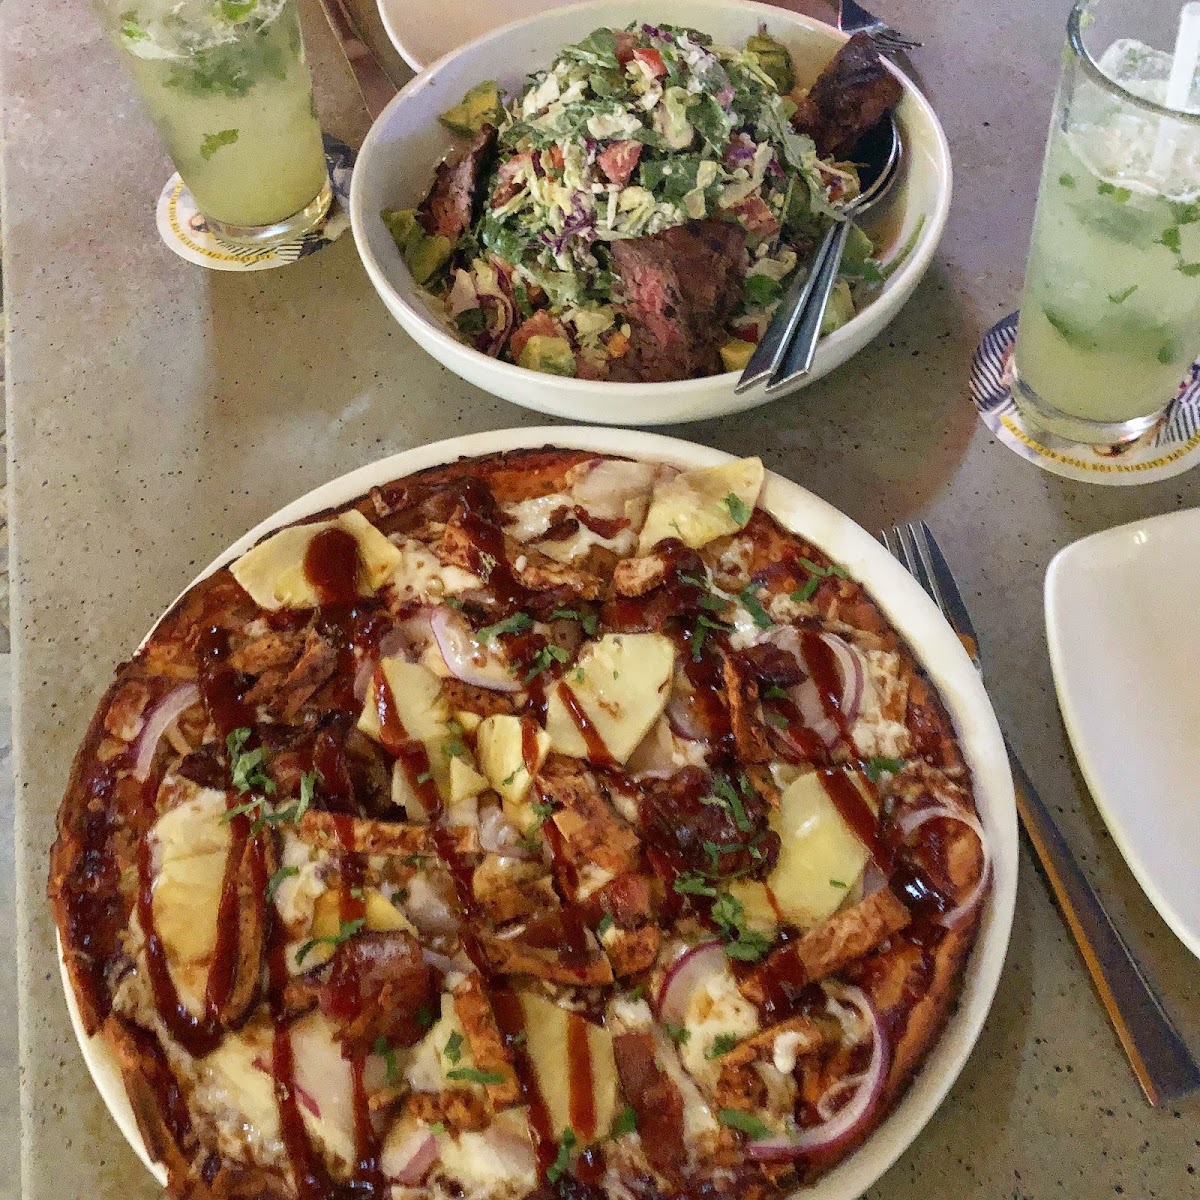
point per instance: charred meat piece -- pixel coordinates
(448, 207)
(852, 95)
(377, 985)
(679, 288)
(655, 1099)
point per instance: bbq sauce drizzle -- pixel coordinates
(332, 565)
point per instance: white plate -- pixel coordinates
(1123, 623)
(912, 613)
(397, 159)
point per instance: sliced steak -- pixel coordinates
(852, 95)
(679, 287)
(448, 207)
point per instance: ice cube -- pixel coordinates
(1144, 71)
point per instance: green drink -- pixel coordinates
(227, 84)
(1110, 315)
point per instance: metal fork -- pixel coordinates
(853, 18)
(1160, 1058)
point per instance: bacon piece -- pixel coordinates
(487, 1048)
(618, 160)
(376, 986)
(656, 1100)
(847, 935)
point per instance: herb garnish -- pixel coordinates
(453, 1050)
(587, 620)
(605, 923)
(721, 1045)
(877, 766)
(475, 1075)
(743, 1122)
(550, 653)
(388, 1054)
(742, 943)
(739, 510)
(679, 1034)
(625, 1122)
(754, 607)
(346, 930)
(212, 142)
(278, 878)
(563, 1159)
(517, 623)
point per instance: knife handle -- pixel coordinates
(1160, 1057)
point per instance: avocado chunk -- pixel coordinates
(552, 355)
(774, 59)
(479, 107)
(424, 254)
(735, 354)
(840, 310)
(859, 248)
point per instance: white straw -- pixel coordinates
(1179, 85)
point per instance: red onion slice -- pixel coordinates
(683, 721)
(909, 822)
(692, 969)
(162, 716)
(498, 835)
(362, 677)
(465, 658)
(841, 1124)
(808, 700)
(409, 1162)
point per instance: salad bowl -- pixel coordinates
(407, 141)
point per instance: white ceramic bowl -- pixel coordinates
(396, 162)
(914, 616)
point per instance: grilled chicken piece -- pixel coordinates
(487, 1048)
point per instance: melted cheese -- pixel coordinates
(495, 1164)
(235, 1086)
(190, 844)
(716, 1008)
(421, 575)
(426, 1068)
(877, 732)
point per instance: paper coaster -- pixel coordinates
(1169, 448)
(183, 229)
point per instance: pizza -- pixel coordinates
(543, 824)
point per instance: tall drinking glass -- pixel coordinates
(228, 86)
(1110, 315)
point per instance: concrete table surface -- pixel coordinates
(157, 410)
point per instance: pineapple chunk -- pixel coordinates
(273, 572)
(698, 506)
(622, 683)
(821, 857)
(500, 743)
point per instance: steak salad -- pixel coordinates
(637, 211)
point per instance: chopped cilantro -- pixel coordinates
(721, 1045)
(728, 794)
(692, 883)
(475, 1075)
(739, 510)
(774, 692)
(579, 676)
(741, 943)
(754, 607)
(453, 1050)
(416, 860)
(776, 719)
(454, 746)
(679, 1034)
(278, 878)
(424, 777)
(836, 883)
(346, 931)
(550, 653)
(562, 1160)
(517, 623)
(700, 634)
(509, 778)
(453, 602)
(1123, 295)
(388, 1054)
(605, 924)
(743, 1122)
(806, 593)
(246, 766)
(425, 1017)
(878, 766)
(587, 620)
(542, 809)
(437, 1128)
(636, 993)
(625, 1122)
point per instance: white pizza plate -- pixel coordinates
(397, 160)
(1123, 626)
(912, 613)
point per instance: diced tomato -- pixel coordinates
(556, 157)
(651, 60)
(540, 323)
(626, 44)
(754, 214)
(506, 185)
(618, 160)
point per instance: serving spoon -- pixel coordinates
(785, 353)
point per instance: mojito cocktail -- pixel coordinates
(1110, 316)
(227, 84)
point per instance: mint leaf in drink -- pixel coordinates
(234, 11)
(1121, 297)
(1118, 194)
(1170, 238)
(1166, 354)
(1189, 269)
(131, 31)
(214, 141)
